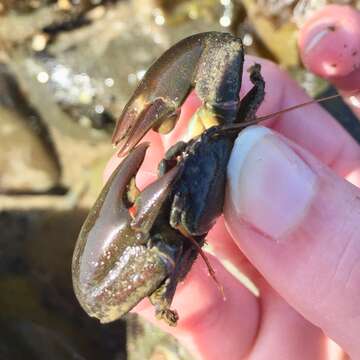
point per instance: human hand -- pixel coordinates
(291, 225)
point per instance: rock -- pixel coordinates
(146, 341)
(39, 311)
(28, 162)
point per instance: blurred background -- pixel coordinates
(67, 68)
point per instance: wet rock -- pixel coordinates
(91, 74)
(25, 18)
(13, 234)
(25, 168)
(30, 330)
(28, 162)
(16, 28)
(278, 36)
(79, 80)
(38, 307)
(21, 339)
(145, 341)
(22, 6)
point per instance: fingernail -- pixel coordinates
(330, 44)
(270, 186)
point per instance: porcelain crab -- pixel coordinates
(141, 244)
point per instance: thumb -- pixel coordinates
(299, 224)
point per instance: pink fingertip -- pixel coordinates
(330, 45)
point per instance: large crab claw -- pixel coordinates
(115, 264)
(209, 62)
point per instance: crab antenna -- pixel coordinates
(269, 116)
(265, 117)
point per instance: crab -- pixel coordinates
(141, 244)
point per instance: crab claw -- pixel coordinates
(209, 62)
(149, 202)
(113, 265)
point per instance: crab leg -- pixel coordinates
(253, 99)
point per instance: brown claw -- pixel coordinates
(209, 62)
(113, 266)
(151, 199)
(108, 220)
(160, 93)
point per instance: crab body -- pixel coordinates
(197, 196)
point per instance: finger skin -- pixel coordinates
(332, 37)
(329, 46)
(284, 333)
(213, 329)
(210, 327)
(308, 251)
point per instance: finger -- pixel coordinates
(210, 327)
(225, 249)
(280, 321)
(298, 223)
(330, 47)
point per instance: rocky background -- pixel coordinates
(67, 67)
